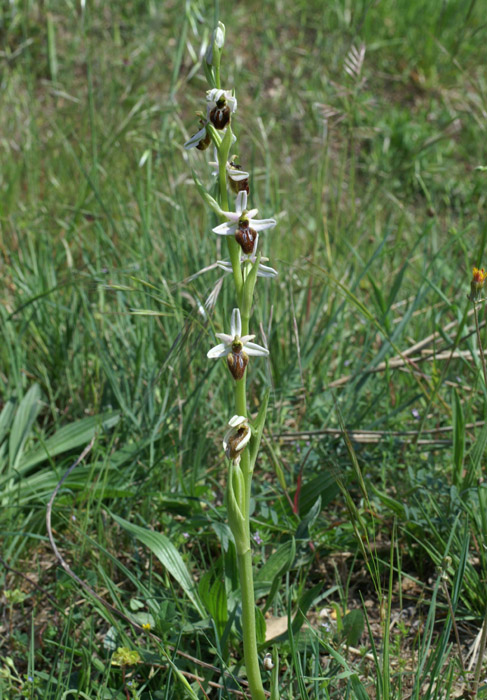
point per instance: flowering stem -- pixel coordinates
(245, 559)
(248, 625)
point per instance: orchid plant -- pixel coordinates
(241, 230)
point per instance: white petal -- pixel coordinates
(252, 213)
(254, 350)
(225, 265)
(236, 421)
(218, 351)
(262, 224)
(264, 271)
(236, 324)
(225, 338)
(244, 440)
(245, 339)
(241, 202)
(226, 229)
(214, 95)
(237, 175)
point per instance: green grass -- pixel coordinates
(372, 177)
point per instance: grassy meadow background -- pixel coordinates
(363, 125)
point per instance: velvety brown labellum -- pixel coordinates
(220, 116)
(237, 361)
(245, 237)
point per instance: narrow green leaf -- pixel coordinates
(169, 557)
(70, 437)
(323, 485)
(6, 417)
(278, 563)
(268, 578)
(302, 531)
(353, 627)
(304, 604)
(359, 691)
(475, 454)
(25, 416)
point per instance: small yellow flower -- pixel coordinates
(125, 657)
(478, 280)
(146, 626)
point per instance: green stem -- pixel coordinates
(248, 625)
(245, 560)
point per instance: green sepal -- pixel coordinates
(248, 288)
(235, 502)
(257, 427)
(207, 198)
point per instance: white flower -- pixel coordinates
(237, 437)
(230, 341)
(242, 225)
(220, 104)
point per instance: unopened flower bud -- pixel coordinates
(237, 360)
(268, 663)
(477, 283)
(219, 35)
(216, 43)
